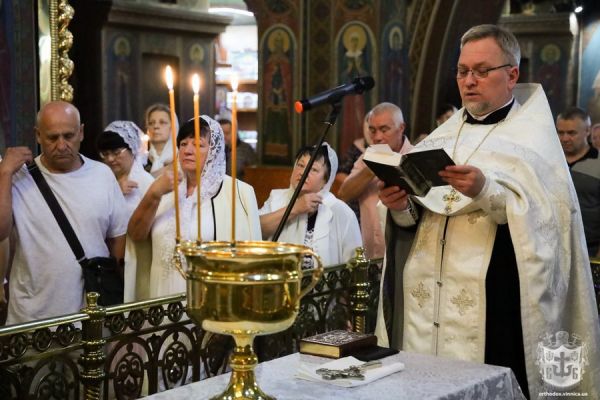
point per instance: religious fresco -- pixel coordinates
(357, 6)
(355, 56)
(394, 69)
(551, 64)
(121, 55)
(278, 49)
(18, 74)
(198, 61)
(589, 86)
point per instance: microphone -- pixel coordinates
(358, 86)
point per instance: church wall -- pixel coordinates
(18, 74)
(589, 82)
(324, 44)
(549, 54)
(121, 50)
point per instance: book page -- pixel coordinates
(383, 154)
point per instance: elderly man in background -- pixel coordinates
(246, 156)
(573, 127)
(497, 268)
(46, 279)
(386, 125)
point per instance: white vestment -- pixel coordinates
(528, 186)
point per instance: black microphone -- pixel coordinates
(358, 86)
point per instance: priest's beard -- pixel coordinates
(477, 109)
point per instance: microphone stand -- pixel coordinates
(329, 121)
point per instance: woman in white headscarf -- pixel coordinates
(155, 216)
(119, 148)
(160, 148)
(318, 219)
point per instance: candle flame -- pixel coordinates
(234, 81)
(196, 83)
(169, 76)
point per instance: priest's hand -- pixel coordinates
(392, 197)
(467, 179)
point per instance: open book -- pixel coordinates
(415, 172)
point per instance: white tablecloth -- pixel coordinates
(425, 377)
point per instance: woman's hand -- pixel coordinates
(164, 184)
(307, 203)
(127, 186)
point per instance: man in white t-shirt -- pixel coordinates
(46, 279)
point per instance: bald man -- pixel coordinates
(46, 279)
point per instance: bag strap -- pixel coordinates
(61, 218)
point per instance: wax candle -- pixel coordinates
(196, 88)
(234, 86)
(169, 78)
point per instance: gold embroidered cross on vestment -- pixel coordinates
(449, 198)
(421, 295)
(453, 196)
(463, 302)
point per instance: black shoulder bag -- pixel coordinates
(100, 274)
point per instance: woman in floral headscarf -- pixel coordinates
(318, 220)
(155, 216)
(119, 148)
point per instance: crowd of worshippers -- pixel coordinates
(482, 269)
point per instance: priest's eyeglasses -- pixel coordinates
(478, 73)
(115, 153)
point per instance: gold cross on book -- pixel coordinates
(452, 197)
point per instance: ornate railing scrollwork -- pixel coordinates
(130, 350)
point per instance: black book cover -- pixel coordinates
(416, 173)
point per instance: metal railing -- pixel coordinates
(131, 350)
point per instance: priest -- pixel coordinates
(494, 265)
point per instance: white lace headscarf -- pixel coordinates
(132, 136)
(167, 154)
(212, 178)
(214, 167)
(333, 161)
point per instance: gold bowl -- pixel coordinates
(245, 289)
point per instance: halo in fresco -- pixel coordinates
(395, 31)
(278, 34)
(352, 33)
(122, 47)
(197, 53)
(550, 53)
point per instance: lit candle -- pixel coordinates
(145, 138)
(234, 86)
(196, 88)
(169, 76)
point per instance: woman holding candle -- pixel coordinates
(155, 216)
(318, 220)
(158, 125)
